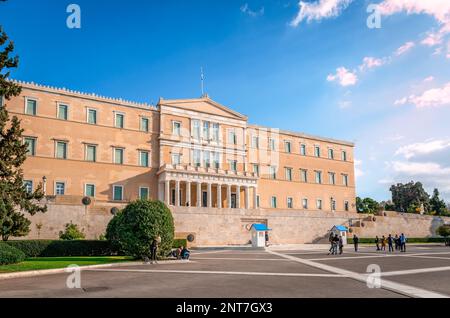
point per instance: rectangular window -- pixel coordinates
(257, 201)
(216, 160)
(196, 158)
(215, 132)
(346, 206)
(233, 165)
(287, 146)
(332, 178)
(255, 142)
(176, 159)
(144, 193)
(118, 193)
(318, 177)
(333, 205)
(144, 124)
(61, 149)
(143, 158)
(330, 153)
(91, 153)
(28, 185)
(317, 151)
(119, 120)
(290, 203)
(92, 116)
(256, 169)
(89, 190)
(63, 111)
(31, 145)
(31, 107)
(60, 188)
(118, 156)
(176, 128)
(303, 175)
(288, 174)
(196, 129)
(303, 149)
(272, 144)
(344, 155)
(305, 204)
(206, 130)
(206, 159)
(345, 180)
(319, 204)
(273, 202)
(232, 138)
(273, 172)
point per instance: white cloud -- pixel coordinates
(422, 148)
(345, 104)
(386, 181)
(370, 62)
(428, 79)
(434, 97)
(319, 10)
(358, 171)
(419, 168)
(432, 39)
(404, 48)
(343, 76)
(246, 9)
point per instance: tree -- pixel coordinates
(410, 197)
(71, 233)
(444, 230)
(138, 224)
(437, 205)
(367, 205)
(14, 197)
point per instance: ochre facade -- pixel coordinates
(190, 152)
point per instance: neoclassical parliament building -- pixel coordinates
(201, 158)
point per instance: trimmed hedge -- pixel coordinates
(179, 242)
(53, 248)
(10, 255)
(408, 240)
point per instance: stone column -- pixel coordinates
(167, 191)
(177, 193)
(247, 197)
(229, 196)
(238, 197)
(199, 194)
(188, 194)
(209, 195)
(219, 196)
(255, 198)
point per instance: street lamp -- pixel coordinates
(44, 183)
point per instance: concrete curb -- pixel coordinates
(43, 272)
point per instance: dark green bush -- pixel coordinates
(179, 242)
(135, 227)
(10, 255)
(49, 248)
(71, 232)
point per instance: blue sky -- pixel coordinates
(311, 66)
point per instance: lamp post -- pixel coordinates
(44, 184)
(331, 204)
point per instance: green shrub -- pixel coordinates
(444, 230)
(179, 242)
(10, 255)
(135, 227)
(71, 233)
(55, 248)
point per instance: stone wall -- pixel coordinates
(231, 226)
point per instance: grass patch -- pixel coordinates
(38, 263)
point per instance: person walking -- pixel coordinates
(355, 242)
(341, 245)
(330, 240)
(377, 242)
(390, 241)
(153, 251)
(397, 242)
(266, 236)
(383, 243)
(335, 244)
(402, 243)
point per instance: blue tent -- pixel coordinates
(260, 227)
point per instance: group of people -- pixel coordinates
(399, 242)
(179, 253)
(336, 242)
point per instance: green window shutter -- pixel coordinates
(92, 116)
(90, 190)
(61, 150)
(144, 158)
(143, 193)
(31, 107)
(91, 153)
(62, 112)
(118, 193)
(119, 120)
(118, 156)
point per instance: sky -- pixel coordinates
(335, 68)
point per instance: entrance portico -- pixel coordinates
(210, 188)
